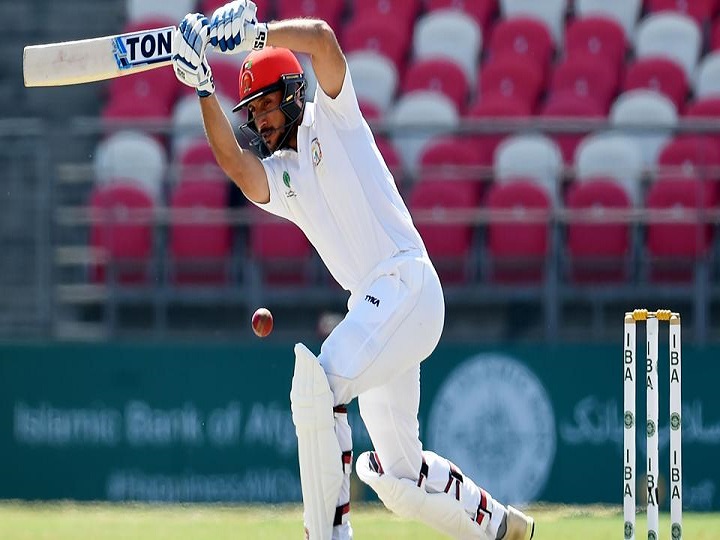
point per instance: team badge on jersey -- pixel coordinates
(316, 152)
(286, 180)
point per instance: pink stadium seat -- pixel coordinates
(705, 108)
(439, 75)
(598, 37)
(197, 162)
(381, 35)
(449, 245)
(692, 156)
(661, 74)
(462, 161)
(226, 73)
(125, 237)
(128, 107)
(568, 105)
(586, 77)
(402, 12)
(495, 107)
(512, 75)
(518, 249)
(715, 35)
(281, 250)
(525, 37)
(701, 10)
(598, 249)
(483, 11)
(328, 10)
(675, 245)
(199, 250)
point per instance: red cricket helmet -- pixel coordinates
(268, 70)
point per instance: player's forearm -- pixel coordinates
(310, 36)
(316, 38)
(219, 133)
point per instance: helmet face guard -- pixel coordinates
(292, 105)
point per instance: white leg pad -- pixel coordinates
(321, 468)
(438, 510)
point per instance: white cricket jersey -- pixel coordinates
(339, 191)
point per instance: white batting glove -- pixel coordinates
(234, 28)
(188, 56)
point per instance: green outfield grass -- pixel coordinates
(72, 521)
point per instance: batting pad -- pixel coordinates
(321, 468)
(438, 510)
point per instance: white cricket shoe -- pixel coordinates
(519, 526)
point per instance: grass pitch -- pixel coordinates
(75, 521)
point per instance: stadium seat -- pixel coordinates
(525, 37)
(675, 245)
(132, 155)
(449, 244)
(512, 75)
(707, 79)
(518, 243)
(451, 158)
(403, 12)
(599, 37)
(122, 231)
(585, 76)
(128, 107)
(483, 11)
(280, 250)
(673, 36)
(532, 157)
(328, 10)
(641, 108)
(374, 77)
(598, 248)
(200, 245)
(449, 34)
(429, 108)
(489, 110)
(146, 9)
(197, 162)
(700, 10)
(705, 109)
(226, 73)
(380, 35)
(693, 156)
(568, 106)
(624, 12)
(439, 75)
(550, 12)
(661, 75)
(611, 155)
(715, 35)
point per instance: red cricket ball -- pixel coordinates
(262, 322)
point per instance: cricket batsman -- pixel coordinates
(316, 163)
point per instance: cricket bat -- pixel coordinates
(97, 59)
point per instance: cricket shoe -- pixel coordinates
(519, 526)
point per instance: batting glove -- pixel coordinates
(188, 56)
(234, 28)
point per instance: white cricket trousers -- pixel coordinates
(394, 322)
